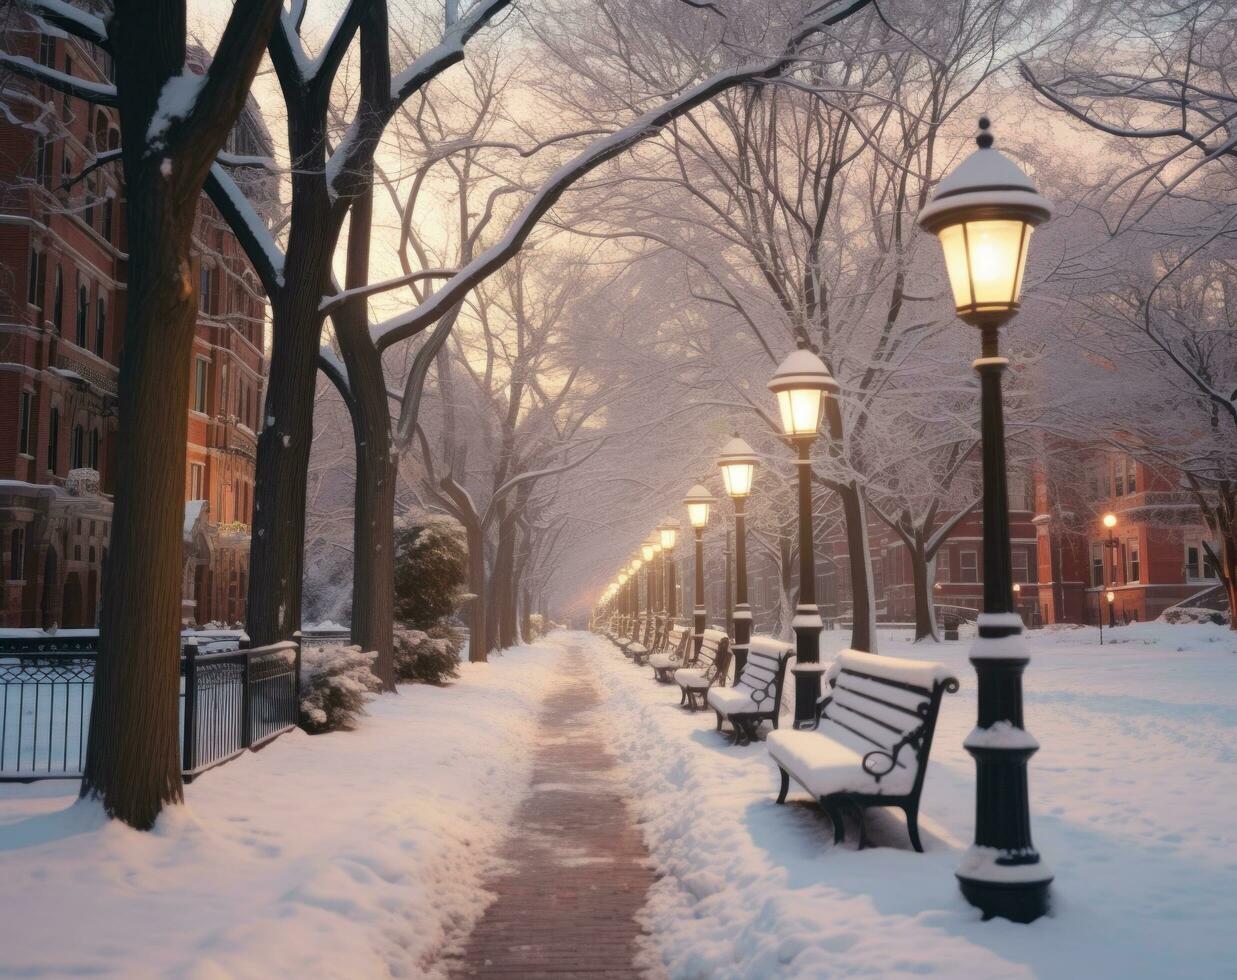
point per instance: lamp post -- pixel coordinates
(738, 465)
(983, 213)
(698, 503)
(668, 534)
(650, 581)
(1110, 522)
(801, 383)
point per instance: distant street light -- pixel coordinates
(668, 533)
(983, 213)
(802, 383)
(698, 503)
(738, 465)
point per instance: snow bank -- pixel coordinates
(343, 855)
(1132, 794)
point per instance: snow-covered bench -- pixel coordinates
(631, 644)
(706, 668)
(870, 742)
(672, 653)
(651, 643)
(670, 658)
(757, 694)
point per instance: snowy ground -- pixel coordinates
(1133, 794)
(346, 855)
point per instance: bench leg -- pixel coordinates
(835, 815)
(781, 796)
(912, 826)
(719, 719)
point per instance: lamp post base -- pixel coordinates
(1017, 901)
(807, 670)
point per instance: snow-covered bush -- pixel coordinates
(427, 657)
(536, 627)
(1194, 614)
(431, 567)
(336, 681)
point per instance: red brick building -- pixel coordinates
(62, 309)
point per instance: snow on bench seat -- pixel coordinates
(708, 667)
(870, 742)
(757, 694)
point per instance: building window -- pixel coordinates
(83, 314)
(1097, 565)
(66, 167)
(25, 408)
(100, 325)
(1021, 565)
(77, 451)
(33, 295)
(201, 368)
(107, 217)
(47, 50)
(58, 300)
(53, 439)
(94, 459)
(942, 567)
(43, 163)
(204, 290)
(1133, 568)
(17, 553)
(968, 566)
(1131, 482)
(197, 480)
(1198, 564)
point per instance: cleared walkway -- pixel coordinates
(577, 871)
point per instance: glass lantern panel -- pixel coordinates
(698, 514)
(953, 242)
(738, 478)
(800, 409)
(996, 255)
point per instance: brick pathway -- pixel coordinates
(578, 871)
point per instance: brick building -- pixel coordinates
(62, 310)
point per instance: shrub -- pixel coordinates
(336, 681)
(427, 657)
(431, 567)
(1193, 614)
(536, 627)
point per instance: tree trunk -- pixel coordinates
(922, 579)
(133, 754)
(863, 608)
(277, 548)
(133, 759)
(373, 519)
(478, 650)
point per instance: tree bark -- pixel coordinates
(863, 626)
(133, 757)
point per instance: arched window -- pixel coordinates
(53, 439)
(100, 325)
(83, 314)
(94, 450)
(78, 448)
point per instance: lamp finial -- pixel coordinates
(984, 138)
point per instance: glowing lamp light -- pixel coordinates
(801, 383)
(622, 578)
(1110, 595)
(983, 213)
(1110, 521)
(738, 465)
(698, 501)
(668, 531)
(636, 564)
(647, 552)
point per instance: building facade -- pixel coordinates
(62, 311)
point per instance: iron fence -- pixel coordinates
(231, 700)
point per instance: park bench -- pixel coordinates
(870, 740)
(655, 640)
(757, 694)
(707, 668)
(630, 644)
(670, 658)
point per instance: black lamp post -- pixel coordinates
(650, 584)
(698, 503)
(738, 465)
(984, 213)
(802, 383)
(1110, 522)
(668, 533)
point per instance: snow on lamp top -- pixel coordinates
(738, 465)
(698, 501)
(983, 213)
(800, 383)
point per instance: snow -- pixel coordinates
(1132, 794)
(349, 854)
(1002, 735)
(176, 101)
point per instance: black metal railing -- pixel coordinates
(231, 700)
